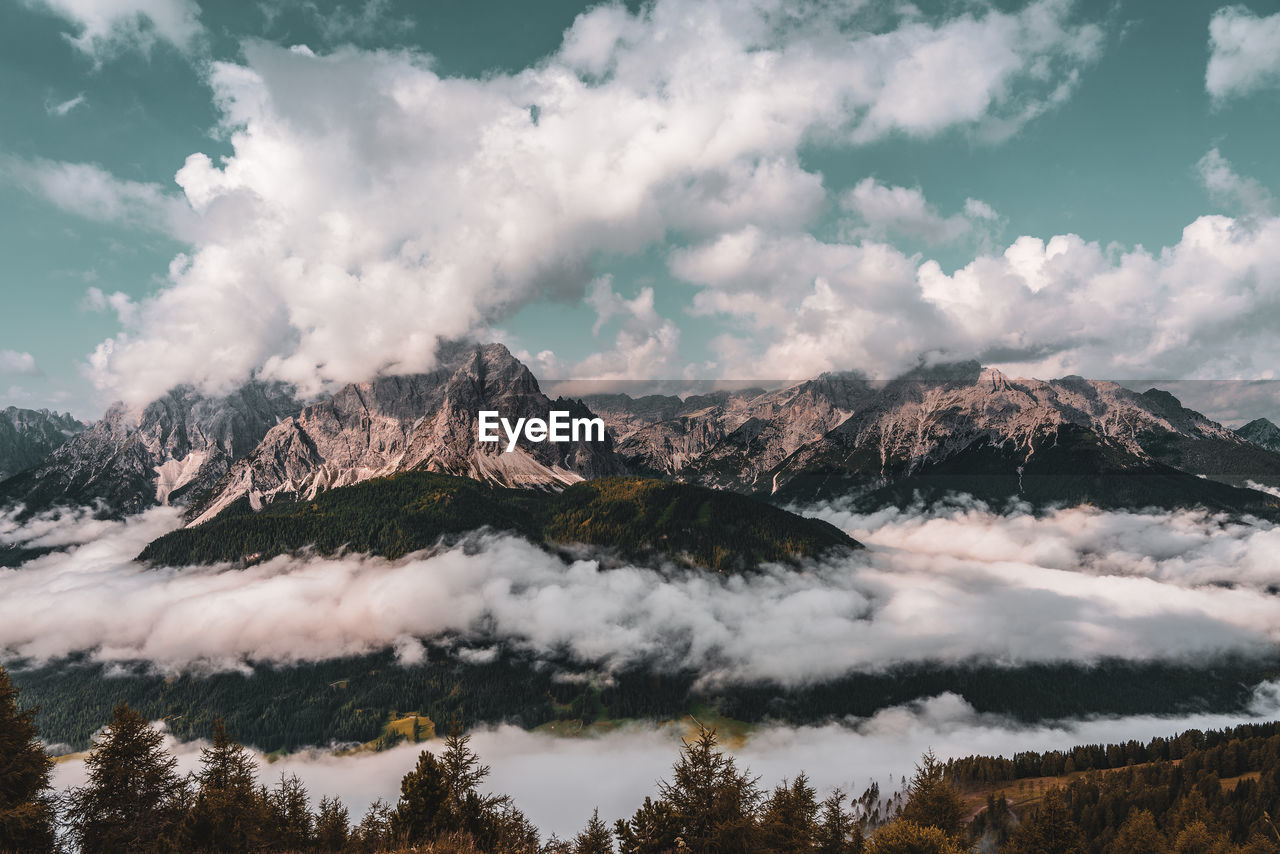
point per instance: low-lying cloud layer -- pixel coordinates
(952, 585)
(558, 781)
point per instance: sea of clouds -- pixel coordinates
(953, 584)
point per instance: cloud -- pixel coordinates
(948, 586)
(109, 27)
(371, 207)
(1227, 188)
(881, 210)
(62, 108)
(14, 362)
(646, 343)
(1203, 308)
(372, 19)
(1244, 53)
(557, 782)
(89, 191)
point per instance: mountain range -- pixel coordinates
(27, 436)
(932, 432)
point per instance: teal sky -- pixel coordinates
(1118, 160)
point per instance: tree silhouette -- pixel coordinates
(713, 802)
(134, 798)
(931, 800)
(594, 838)
(26, 806)
(228, 812)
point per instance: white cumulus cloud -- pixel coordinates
(371, 207)
(1244, 53)
(16, 362)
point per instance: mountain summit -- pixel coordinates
(174, 448)
(29, 435)
(1262, 433)
(419, 421)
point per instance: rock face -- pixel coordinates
(1262, 433)
(840, 434)
(27, 436)
(174, 448)
(420, 421)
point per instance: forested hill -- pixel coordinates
(634, 518)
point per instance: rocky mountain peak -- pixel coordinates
(29, 435)
(1262, 433)
(132, 458)
(422, 421)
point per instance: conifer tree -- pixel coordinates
(651, 830)
(1048, 830)
(292, 827)
(332, 825)
(838, 832)
(1139, 835)
(931, 800)
(789, 819)
(374, 832)
(594, 838)
(713, 802)
(26, 803)
(228, 812)
(426, 807)
(134, 798)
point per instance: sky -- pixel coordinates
(733, 189)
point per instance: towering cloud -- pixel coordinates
(371, 206)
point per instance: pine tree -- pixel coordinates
(838, 832)
(595, 837)
(1048, 830)
(789, 820)
(651, 830)
(931, 800)
(228, 813)
(292, 827)
(713, 802)
(134, 798)
(374, 832)
(332, 825)
(1139, 835)
(426, 807)
(26, 803)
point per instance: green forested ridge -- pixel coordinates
(351, 699)
(394, 516)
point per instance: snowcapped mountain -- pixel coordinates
(420, 421)
(29, 435)
(172, 449)
(1262, 433)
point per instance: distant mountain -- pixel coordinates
(27, 436)
(961, 428)
(1262, 433)
(420, 421)
(632, 518)
(950, 428)
(175, 447)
